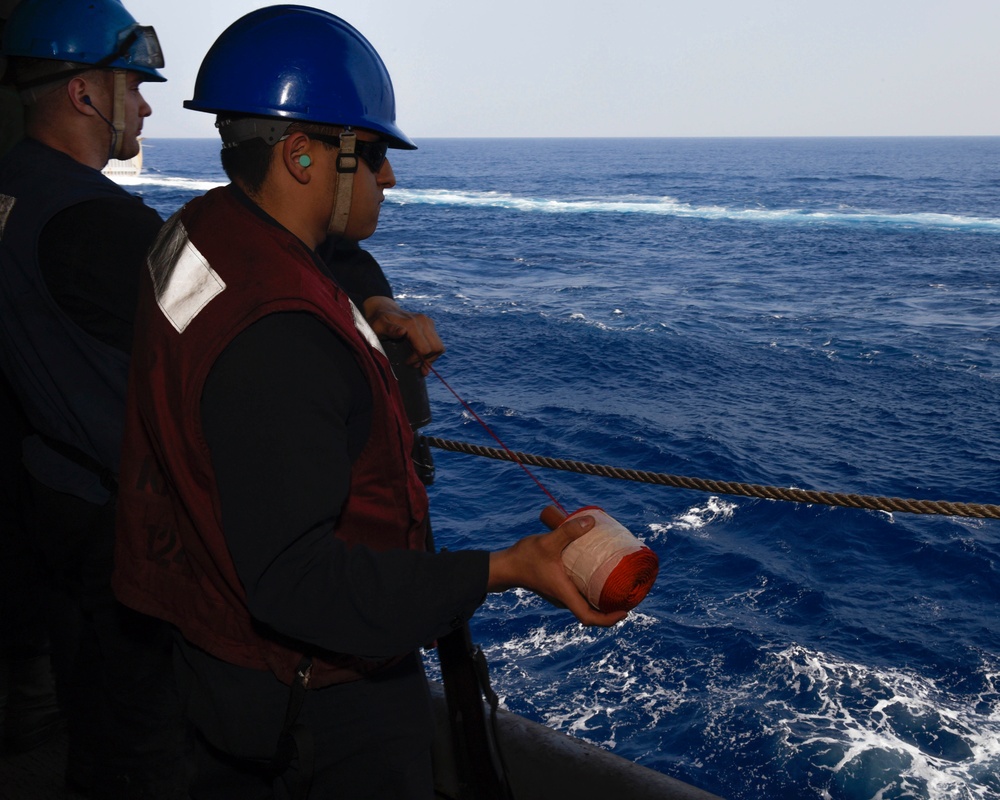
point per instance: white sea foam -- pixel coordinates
(863, 723)
(658, 206)
(545, 641)
(672, 207)
(414, 296)
(596, 698)
(167, 182)
(696, 518)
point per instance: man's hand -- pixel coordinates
(535, 563)
(392, 322)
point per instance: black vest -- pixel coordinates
(71, 385)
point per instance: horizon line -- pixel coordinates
(709, 136)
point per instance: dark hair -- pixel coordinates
(247, 162)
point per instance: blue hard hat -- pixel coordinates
(95, 33)
(298, 64)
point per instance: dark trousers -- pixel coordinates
(23, 583)
(114, 674)
(371, 738)
(23, 621)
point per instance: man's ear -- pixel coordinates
(296, 153)
(79, 90)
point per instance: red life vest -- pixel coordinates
(215, 269)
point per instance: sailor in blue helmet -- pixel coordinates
(269, 508)
(49, 42)
(71, 245)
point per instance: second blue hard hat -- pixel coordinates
(298, 64)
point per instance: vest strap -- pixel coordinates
(295, 738)
(109, 480)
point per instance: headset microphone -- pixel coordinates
(114, 131)
(97, 111)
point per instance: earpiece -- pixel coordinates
(86, 100)
(304, 161)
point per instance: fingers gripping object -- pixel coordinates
(610, 566)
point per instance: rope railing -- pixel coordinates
(942, 507)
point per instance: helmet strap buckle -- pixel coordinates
(347, 159)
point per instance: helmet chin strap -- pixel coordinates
(347, 165)
(117, 121)
(118, 114)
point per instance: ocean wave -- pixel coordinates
(672, 207)
(809, 721)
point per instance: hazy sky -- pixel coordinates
(644, 67)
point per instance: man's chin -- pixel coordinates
(129, 150)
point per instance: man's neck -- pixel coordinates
(79, 148)
(254, 206)
(282, 207)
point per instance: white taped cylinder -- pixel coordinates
(591, 560)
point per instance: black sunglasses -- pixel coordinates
(372, 153)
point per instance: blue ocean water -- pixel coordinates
(817, 313)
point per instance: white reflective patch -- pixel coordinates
(365, 329)
(6, 206)
(184, 282)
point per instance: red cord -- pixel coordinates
(497, 438)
